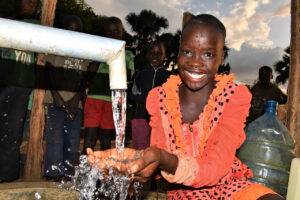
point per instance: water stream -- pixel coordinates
(118, 98)
(89, 181)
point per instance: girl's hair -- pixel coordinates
(207, 20)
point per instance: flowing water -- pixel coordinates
(118, 98)
(89, 181)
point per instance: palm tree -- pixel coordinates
(146, 26)
(282, 67)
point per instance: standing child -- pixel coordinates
(263, 91)
(154, 75)
(98, 117)
(197, 121)
(64, 108)
(17, 79)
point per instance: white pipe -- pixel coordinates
(49, 40)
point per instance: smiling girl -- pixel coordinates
(197, 121)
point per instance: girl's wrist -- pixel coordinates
(168, 162)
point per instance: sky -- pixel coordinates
(258, 31)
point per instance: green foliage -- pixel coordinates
(282, 67)
(93, 23)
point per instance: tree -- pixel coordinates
(93, 23)
(146, 27)
(282, 67)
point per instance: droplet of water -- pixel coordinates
(90, 182)
(5, 114)
(37, 195)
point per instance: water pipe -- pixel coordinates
(49, 40)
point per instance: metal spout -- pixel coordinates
(49, 40)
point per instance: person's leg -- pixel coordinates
(91, 123)
(71, 143)
(106, 135)
(54, 142)
(90, 138)
(107, 126)
(13, 107)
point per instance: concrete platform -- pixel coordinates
(50, 191)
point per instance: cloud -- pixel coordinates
(283, 11)
(246, 25)
(246, 62)
(265, 1)
(170, 9)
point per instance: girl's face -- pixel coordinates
(200, 55)
(156, 55)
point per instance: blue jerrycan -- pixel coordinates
(268, 150)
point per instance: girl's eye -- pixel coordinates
(208, 54)
(187, 52)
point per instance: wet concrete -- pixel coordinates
(35, 190)
(50, 191)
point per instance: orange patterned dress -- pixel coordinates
(207, 166)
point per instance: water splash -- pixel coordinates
(91, 183)
(119, 115)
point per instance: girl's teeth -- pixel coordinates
(195, 75)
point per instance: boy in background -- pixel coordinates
(66, 77)
(263, 91)
(154, 75)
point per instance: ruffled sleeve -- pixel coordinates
(157, 131)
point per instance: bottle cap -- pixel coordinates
(271, 106)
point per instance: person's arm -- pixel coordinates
(281, 97)
(136, 90)
(130, 65)
(58, 101)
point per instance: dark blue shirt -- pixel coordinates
(146, 80)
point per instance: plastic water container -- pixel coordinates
(268, 150)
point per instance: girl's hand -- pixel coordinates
(112, 158)
(145, 166)
(142, 164)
